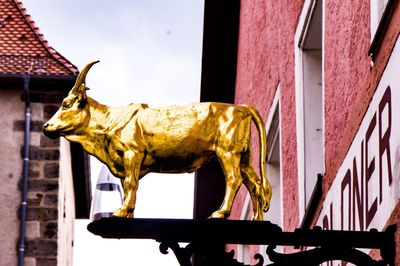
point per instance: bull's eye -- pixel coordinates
(67, 104)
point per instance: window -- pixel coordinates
(274, 162)
(381, 12)
(377, 7)
(309, 99)
(244, 251)
(274, 215)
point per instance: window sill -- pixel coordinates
(382, 28)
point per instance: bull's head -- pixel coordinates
(73, 114)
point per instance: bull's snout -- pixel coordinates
(48, 132)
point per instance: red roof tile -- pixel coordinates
(23, 48)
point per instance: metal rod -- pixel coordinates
(329, 244)
(236, 232)
(25, 168)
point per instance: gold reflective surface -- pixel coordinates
(137, 139)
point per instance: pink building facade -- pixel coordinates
(325, 77)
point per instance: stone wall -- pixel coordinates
(11, 108)
(46, 192)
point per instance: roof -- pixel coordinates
(23, 47)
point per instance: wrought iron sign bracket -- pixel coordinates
(203, 236)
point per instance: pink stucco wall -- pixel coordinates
(350, 79)
(266, 59)
(346, 66)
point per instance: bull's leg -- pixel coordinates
(233, 179)
(123, 187)
(132, 162)
(253, 185)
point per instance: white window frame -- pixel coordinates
(275, 107)
(243, 255)
(302, 27)
(377, 8)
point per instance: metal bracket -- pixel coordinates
(204, 236)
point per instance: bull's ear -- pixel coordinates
(80, 86)
(82, 99)
(81, 96)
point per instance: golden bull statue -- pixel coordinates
(137, 139)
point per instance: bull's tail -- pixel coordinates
(256, 118)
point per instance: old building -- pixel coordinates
(29, 64)
(324, 76)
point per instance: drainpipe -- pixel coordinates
(25, 167)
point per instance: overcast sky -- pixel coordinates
(149, 52)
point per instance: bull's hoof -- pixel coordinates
(218, 215)
(122, 213)
(257, 217)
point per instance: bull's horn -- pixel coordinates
(82, 76)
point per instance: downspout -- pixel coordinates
(25, 167)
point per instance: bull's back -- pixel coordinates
(174, 121)
(182, 138)
(177, 123)
(186, 128)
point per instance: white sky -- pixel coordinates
(150, 52)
